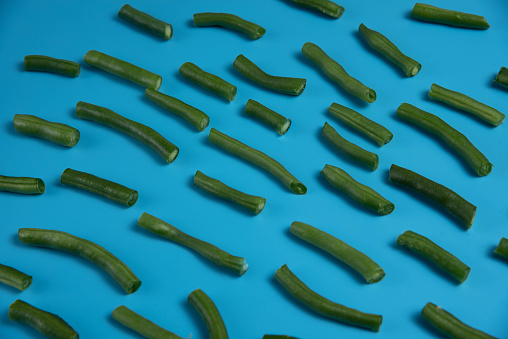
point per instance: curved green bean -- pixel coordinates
(146, 22)
(12, 277)
(44, 63)
(55, 132)
(269, 117)
(23, 185)
(502, 77)
(208, 81)
(86, 249)
(230, 21)
(327, 7)
(502, 248)
(210, 314)
(448, 17)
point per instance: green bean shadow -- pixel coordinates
(198, 322)
(431, 330)
(309, 11)
(171, 116)
(199, 88)
(137, 29)
(9, 128)
(21, 66)
(353, 130)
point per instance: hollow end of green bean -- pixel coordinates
(298, 188)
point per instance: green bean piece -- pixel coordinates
(230, 21)
(209, 251)
(47, 324)
(23, 185)
(208, 81)
(146, 22)
(350, 150)
(210, 314)
(337, 73)
(258, 158)
(502, 77)
(502, 248)
(86, 249)
(134, 129)
(449, 325)
(327, 7)
(435, 254)
(453, 138)
(325, 306)
(443, 16)
(215, 187)
(269, 117)
(42, 63)
(192, 115)
(360, 193)
(286, 85)
(55, 132)
(141, 325)
(387, 49)
(123, 69)
(14, 278)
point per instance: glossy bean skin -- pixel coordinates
(502, 248)
(146, 22)
(209, 313)
(273, 119)
(43, 63)
(23, 185)
(326, 7)
(208, 81)
(12, 277)
(231, 21)
(448, 17)
(55, 132)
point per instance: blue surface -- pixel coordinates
(254, 304)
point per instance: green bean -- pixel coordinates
(453, 138)
(208, 81)
(365, 266)
(502, 77)
(435, 254)
(123, 69)
(258, 158)
(449, 325)
(291, 86)
(337, 73)
(134, 129)
(352, 151)
(55, 132)
(448, 17)
(269, 117)
(141, 325)
(23, 185)
(468, 104)
(210, 314)
(443, 196)
(325, 306)
(360, 193)
(387, 49)
(371, 129)
(502, 248)
(215, 187)
(47, 324)
(146, 22)
(327, 7)
(230, 21)
(12, 277)
(86, 249)
(209, 251)
(192, 115)
(44, 63)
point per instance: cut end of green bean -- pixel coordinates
(298, 188)
(485, 169)
(282, 129)
(370, 96)
(133, 287)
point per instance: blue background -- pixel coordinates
(254, 304)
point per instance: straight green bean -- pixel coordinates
(502, 77)
(12, 277)
(209, 313)
(42, 63)
(208, 81)
(326, 7)
(448, 17)
(55, 132)
(231, 21)
(502, 248)
(23, 185)
(271, 118)
(146, 22)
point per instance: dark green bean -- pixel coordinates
(208, 81)
(230, 21)
(55, 132)
(324, 306)
(47, 324)
(210, 314)
(327, 7)
(209, 251)
(360, 193)
(269, 117)
(502, 77)
(453, 138)
(134, 129)
(448, 17)
(146, 22)
(86, 249)
(258, 158)
(23, 185)
(44, 63)
(337, 73)
(292, 86)
(502, 248)
(12, 277)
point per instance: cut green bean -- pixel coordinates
(258, 158)
(209, 251)
(448, 17)
(502, 77)
(350, 150)
(215, 187)
(435, 254)
(55, 132)
(337, 73)
(192, 115)
(449, 325)
(123, 69)
(327, 7)
(365, 266)
(23, 185)
(324, 306)
(134, 129)
(467, 104)
(292, 86)
(502, 248)
(360, 193)
(42, 63)
(387, 49)
(453, 138)
(14, 278)
(269, 117)
(86, 249)
(46, 323)
(208, 81)
(209, 313)
(230, 21)
(146, 22)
